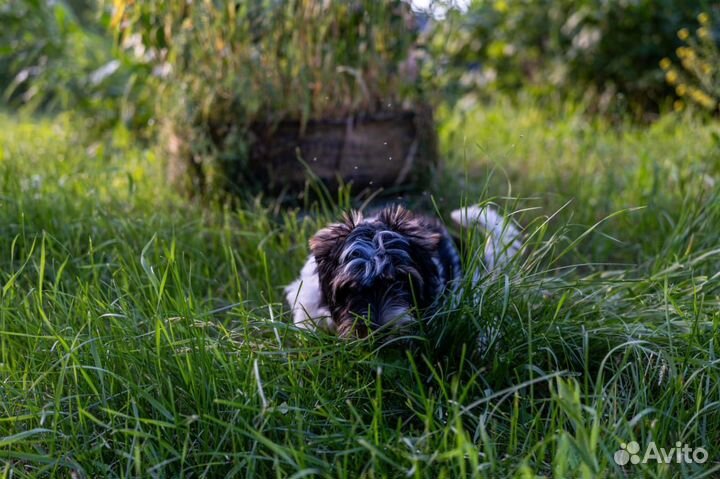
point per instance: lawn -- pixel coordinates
(144, 335)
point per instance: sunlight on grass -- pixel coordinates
(142, 335)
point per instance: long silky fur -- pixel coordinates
(384, 270)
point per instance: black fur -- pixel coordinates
(392, 262)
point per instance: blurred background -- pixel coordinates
(260, 95)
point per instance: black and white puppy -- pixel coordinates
(388, 270)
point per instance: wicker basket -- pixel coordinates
(383, 150)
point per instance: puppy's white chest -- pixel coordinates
(305, 299)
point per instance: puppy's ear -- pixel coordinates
(420, 230)
(327, 240)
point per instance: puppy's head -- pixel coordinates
(376, 272)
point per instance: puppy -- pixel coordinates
(388, 270)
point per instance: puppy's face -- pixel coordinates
(376, 272)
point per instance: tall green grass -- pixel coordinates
(145, 336)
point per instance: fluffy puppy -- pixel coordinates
(388, 270)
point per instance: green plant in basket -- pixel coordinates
(235, 67)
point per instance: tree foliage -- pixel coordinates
(608, 50)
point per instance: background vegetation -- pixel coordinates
(144, 335)
(605, 53)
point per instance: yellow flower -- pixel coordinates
(665, 63)
(683, 52)
(703, 18)
(501, 6)
(703, 33)
(706, 68)
(681, 90)
(678, 105)
(683, 34)
(671, 77)
(703, 99)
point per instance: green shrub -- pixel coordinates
(608, 51)
(58, 56)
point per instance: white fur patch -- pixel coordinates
(305, 297)
(504, 238)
